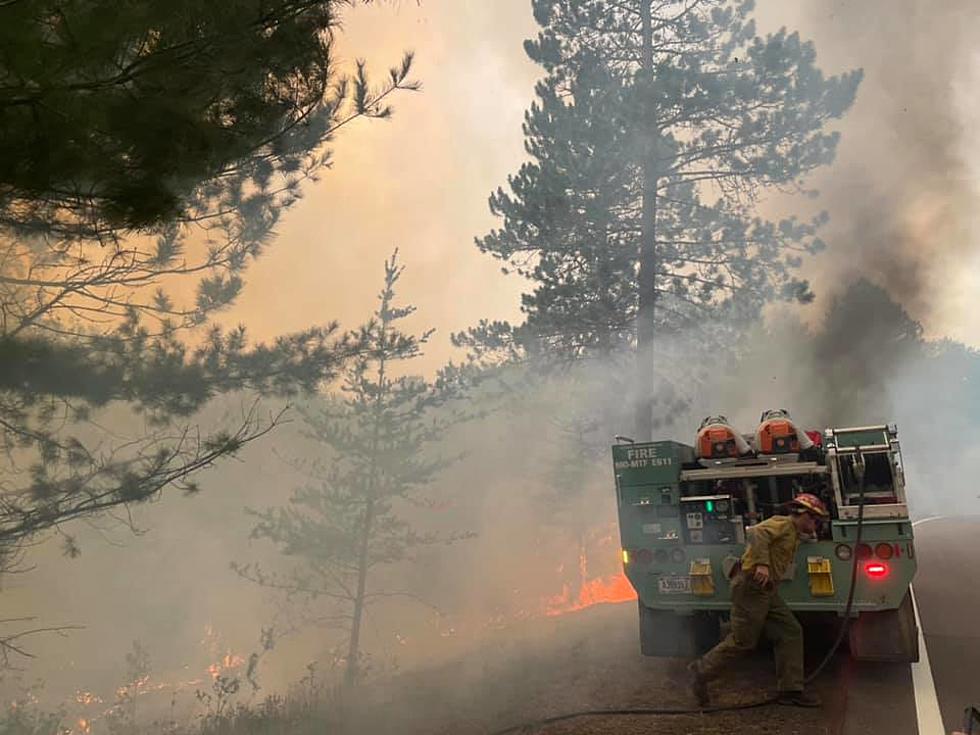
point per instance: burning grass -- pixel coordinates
(296, 714)
(222, 697)
(532, 669)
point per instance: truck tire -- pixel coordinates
(889, 635)
(665, 633)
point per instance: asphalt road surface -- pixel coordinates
(947, 592)
(928, 698)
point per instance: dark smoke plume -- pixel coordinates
(900, 196)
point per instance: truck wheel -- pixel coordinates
(665, 633)
(888, 635)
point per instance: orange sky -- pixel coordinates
(420, 181)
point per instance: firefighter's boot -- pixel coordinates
(698, 684)
(799, 699)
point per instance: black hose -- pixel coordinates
(629, 711)
(648, 711)
(854, 570)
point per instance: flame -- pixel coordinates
(87, 698)
(135, 688)
(89, 709)
(596, 591)
(601, 591)
(228, 662)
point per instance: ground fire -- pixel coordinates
(591, 591)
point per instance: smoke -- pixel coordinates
(171, 583)
(156, 574)
(902, 193)
(866, 363)
(900, 198)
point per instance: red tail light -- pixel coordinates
(884, 551)
(876, 570)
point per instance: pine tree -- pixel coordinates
(658, 127)
(113, 116)
(147, 153)
(383, 432)
(566, 201)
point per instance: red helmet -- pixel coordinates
(811, 504)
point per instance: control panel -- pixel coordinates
(711, 519)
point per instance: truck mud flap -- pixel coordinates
(665, 633)
(889, 635)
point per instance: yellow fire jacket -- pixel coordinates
(773, 543)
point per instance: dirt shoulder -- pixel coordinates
(584, 660)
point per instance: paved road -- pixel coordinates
(884, 698)
(947, 590)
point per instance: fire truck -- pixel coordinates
(684, 521)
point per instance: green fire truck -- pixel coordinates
(684, 524)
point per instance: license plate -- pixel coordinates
(674, 585)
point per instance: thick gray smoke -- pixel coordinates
(902, 193)
(902, 200)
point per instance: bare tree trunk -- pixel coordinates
(605, 316)
(354, 651)
(363, 562)
(647, 273)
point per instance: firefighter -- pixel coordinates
(757, 606)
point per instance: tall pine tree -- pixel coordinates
(656, 130)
